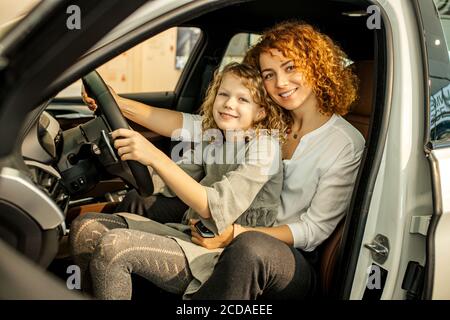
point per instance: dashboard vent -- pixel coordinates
(51, 185)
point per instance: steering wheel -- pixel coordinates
(98, 90)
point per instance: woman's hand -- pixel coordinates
(219, 241)
(90, 102)
(131, 145)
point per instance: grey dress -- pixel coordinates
(243, 186)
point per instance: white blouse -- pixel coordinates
(318, 179)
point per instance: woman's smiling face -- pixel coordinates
(282, 81)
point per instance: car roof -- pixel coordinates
(343, 20)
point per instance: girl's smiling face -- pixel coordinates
(234, 108)
(282, 81)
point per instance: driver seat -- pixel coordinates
(329, 250)
(361, 110)
(359, 116)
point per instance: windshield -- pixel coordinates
(13, 10)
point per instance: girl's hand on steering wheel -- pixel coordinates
(92, 105)
(131, 145)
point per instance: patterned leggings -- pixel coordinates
(107, 252)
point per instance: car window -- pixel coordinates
(440, 99)
(238, 46)
(135, 70)
(11, 10)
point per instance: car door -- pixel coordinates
(436, 31)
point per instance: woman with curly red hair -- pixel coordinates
(306, 74)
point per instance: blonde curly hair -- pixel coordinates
(317, 57)
(275, 118)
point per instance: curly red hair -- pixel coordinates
(317, 57)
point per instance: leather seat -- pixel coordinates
(360, 111)
(359, 117)
(329, 250)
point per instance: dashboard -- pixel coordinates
(44, 142)
(41, 150)
(68, 164)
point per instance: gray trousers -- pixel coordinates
(257, 266)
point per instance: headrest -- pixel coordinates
(364, 71)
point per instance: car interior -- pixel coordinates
(59, 150)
